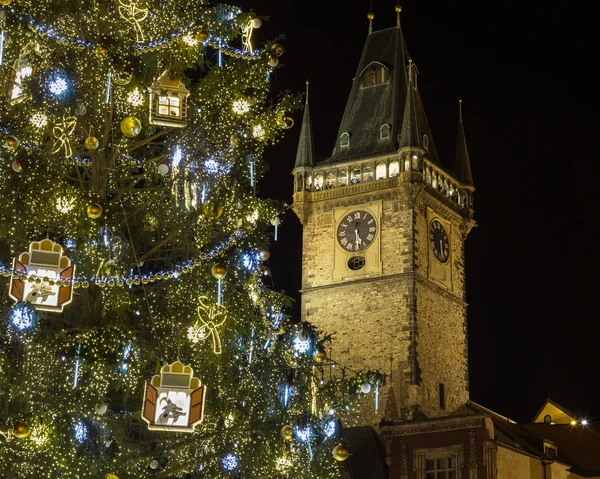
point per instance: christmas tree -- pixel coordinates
(138, 336)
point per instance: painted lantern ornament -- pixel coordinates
(168, 102)
(174, 400)
(52, 273)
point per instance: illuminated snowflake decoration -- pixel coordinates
(250, 261)
(64, 205)
(70, 243)
(190, 41)
(258, 132)
(253, 218)
(39, 120)
(303, 434)
(135, 98)
(23, 317)
(80, 432)
(275, 318)
(283, 464)
(58, 85)
(197, 333)
(40, 435)
(230, 462)
(211, 166)
(241, 106)
(330, 428)
(301, 346)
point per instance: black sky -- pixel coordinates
(527, 72)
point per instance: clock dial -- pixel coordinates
(357, 231)
(438, 239)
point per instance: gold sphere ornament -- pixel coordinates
(131, 126)
(122, 78)
(17, 166)
(101, 50)
(219, 270)
(398, 8)
(20, 430)
(91, 143)
(287, 432)
(370, 15)
(341, 453)
(286, 122)
(110, 476)
(201, 36)
(11, 142)
(273, 61)
(94, 211)
(264, 254)
(277, 49)
(235, 140)
(319, 355)
(5, 3)
(212, 209)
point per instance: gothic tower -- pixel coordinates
(384, 225)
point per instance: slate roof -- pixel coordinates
(369, 108)
(305, 156)
(462, 165)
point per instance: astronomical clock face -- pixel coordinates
(357, 231)
(438, 238)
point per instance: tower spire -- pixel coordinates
(410, 135)
(462, 166)
(305, 156)
(370, 16)
(398, 10)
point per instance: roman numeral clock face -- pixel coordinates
(439, 241)
(357, 231)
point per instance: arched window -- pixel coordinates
(384, 132)
(330, 180)
(425, 142)
(367, 173)
(375, 74)
(343, 177)
(394, 168)
(318, 182)
(380, 172)
(345, 140)
(355, 175)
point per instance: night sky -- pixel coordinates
(528, 77)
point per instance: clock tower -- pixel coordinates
(384, 225)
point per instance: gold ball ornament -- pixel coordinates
(201, 36)
(235, 140)
(319, 355)
(212, 209)
(91, 143)
(131, 126)
(219, 270)
(340, 453)
(122, 78)
(94, 211)
(277, 49)
(101, 50)
(264, 254)
(287, 432)
(5, 3)
(273, 61)
(20, 430)
(370, 15)
(286, 122)
(17, 166)
(398, 8)
(110, 476)
(11, 142)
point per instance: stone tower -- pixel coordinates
(384, 225)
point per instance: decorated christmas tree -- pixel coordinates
(138, 336)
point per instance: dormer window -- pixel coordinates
(345, 140)
(375, 75)
(384, 132)
(425, 142)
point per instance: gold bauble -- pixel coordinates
(287, 432)
(94, 211)
(212, 209)
(219, 270)
(91, 143)
(131, 126)
(286, 122)
(5, 3)
(235, 140)
(201, 36)
(20, 430)
(273, 61)
(277, 49)
(122, 78)
(264, 254)
(101, 50)
(370, 15)
(398, 8)
(341, 453)
(319, 355)
(11, 142)
(110, 476)
(17, 166)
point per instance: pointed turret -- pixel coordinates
(462, 165)
(305, 156)
(411, 133)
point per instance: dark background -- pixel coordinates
(528, 76)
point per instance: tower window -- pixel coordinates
(356, 262)
(442, 397)
(345, 140)
(425, 142)
(384, 132)
(376, 74)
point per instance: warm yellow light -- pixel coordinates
(135, 98)
(573, 423)
(241, 106)
(39, 120)
(64, 205)
(190, 41)
(258, 132)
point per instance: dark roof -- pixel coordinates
(367, 459)
(578, 446)
(462, 165)
(305, 156)
(368, 109)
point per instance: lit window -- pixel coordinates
(384, 132)
(169, 106)
(375, 75)
(368, 78)
(425, 142)
(345, 140)
(381, 75)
